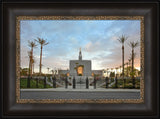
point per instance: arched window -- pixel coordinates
(80, 71)
(67, 74)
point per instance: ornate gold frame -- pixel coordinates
(18, 100)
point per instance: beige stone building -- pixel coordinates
(80, 69)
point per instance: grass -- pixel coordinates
(128, 84)
(23, 84)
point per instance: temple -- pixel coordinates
(80, 69)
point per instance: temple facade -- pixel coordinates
(80, 68)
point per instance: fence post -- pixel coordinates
(87, 83)
(66, 82)
(133, 82)
(74, 83)
(106, 82)
(94, 83)
(124, 82)
(116, 82)
(54, 82)
(36, 82)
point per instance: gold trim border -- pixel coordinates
(19, 18)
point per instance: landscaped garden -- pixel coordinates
(33, 84)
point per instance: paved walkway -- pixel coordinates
(91, 89)
(78, 95)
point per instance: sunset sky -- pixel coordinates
(97, 39)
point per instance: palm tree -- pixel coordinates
(133, 45)
(127, 69)
(129, 64)
(33, 61)
(122, 39)
(42, 42)
(29, 72)
(52, 72)
(32, 44)
(120, 70)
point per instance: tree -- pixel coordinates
(120, 70)
(112, 74)
(29, 69)
(33, 62)
(122, 39)
(133, 45)
(24, 72)
(127, 68)
(42, 43)
(52, 72)
(130, 73)
(32, 44)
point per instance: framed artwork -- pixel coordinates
(80, 59)
(81, 79)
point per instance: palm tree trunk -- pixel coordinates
(120, 72)
(133, 68)
(31, 60)
(40, 64)
(127, 70)
(132, 62)
(28, 81)
(123, 65)
(33, 67)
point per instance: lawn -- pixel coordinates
(128, 84)
(23, 84)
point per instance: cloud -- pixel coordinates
(98, 40)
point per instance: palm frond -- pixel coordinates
(122, 39)
(134, 44)
(32, 44)
(41, 41)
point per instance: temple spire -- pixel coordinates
(80, 54)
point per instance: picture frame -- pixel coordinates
(51, 8)
(22, 92)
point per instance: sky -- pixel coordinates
(96, 38)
